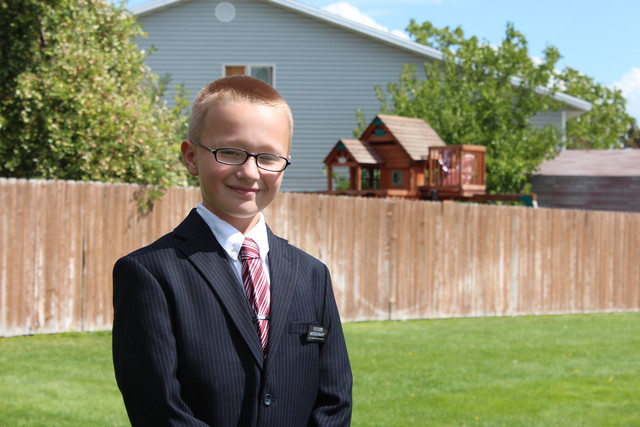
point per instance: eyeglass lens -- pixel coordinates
(266, 161)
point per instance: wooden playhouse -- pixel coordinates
(405, 158)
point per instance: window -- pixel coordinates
(396, 178)
(370, 179)
(262, 72)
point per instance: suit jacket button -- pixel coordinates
(267, 400)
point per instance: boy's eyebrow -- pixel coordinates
(232, 143)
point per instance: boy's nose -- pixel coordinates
(250, 168)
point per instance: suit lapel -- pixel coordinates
(208, 257)
(283, 272)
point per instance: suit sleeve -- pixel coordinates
(144, 349)
(333, 404)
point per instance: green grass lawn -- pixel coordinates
(524, 371)
(59, 380)
(581, 370)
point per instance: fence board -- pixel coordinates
(389, 259)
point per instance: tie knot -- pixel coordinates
(249, 249)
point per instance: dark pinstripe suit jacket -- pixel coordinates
(186, 351)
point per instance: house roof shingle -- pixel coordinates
(593, 163)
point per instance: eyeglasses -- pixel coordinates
(236, 156)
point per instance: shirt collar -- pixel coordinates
(230, 238)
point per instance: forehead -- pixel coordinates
(248, 126)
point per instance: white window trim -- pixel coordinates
(247, 69)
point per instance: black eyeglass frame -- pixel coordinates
(247, 154)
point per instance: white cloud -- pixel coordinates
(352, 13)
(629, 84)
(401, 34)
(537, 60)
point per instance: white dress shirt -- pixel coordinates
(231, 239)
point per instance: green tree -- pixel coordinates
(632, 139)
(77, 100)
(607, 124)
(484, 95)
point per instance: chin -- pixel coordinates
(244, 214)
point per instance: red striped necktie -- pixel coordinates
(256, 286)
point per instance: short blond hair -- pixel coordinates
(234, 90)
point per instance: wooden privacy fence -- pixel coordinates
(389, 259)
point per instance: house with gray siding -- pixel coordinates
(325, 66)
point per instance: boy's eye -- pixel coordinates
(230, 156)
(270, 158)
(230, 153)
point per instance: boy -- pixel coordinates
(221, 322)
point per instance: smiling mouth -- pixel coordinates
(245, 191)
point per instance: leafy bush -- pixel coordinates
(77, 100)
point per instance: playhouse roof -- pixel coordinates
(414, 135)
(362, 151)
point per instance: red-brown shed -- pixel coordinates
(590, 179)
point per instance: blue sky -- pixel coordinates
(598, 38)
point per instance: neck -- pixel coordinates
(244, 225)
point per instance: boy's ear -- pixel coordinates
(189, 156)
